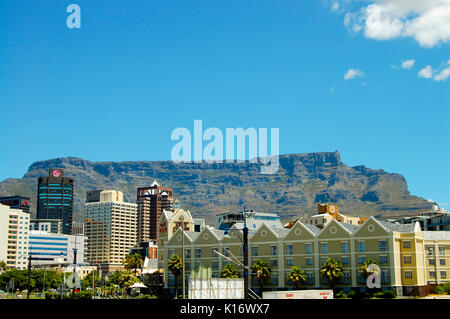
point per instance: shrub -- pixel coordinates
(389, 294)
(83, 295)
(341, 295)
(351, 294)
(439, 290)
(447, 287)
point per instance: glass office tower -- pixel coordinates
(55, 198)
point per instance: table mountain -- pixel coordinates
(302, 181)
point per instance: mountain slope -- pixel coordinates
(301, 182)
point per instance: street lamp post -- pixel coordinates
(245, 248)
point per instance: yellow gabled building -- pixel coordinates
(411, 261)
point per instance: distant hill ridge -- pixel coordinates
(302, 181)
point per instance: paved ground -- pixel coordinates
(437, 297)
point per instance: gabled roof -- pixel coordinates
(192, 234)
(401, 228)
(314, 229)
(281, 232)
(155, 183)
(350, 227)
(436, 235)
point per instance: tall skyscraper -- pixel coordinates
(151, 201)
(55, 198)
(111, 226)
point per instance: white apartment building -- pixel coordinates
(49, 249)
(111, 228)
(14, 225)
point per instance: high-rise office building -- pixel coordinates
(111, 227)
(16, 202)
(55, 198)
(14, 233)
(152, 200)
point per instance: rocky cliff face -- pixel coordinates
(301, 182)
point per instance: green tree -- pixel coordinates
(230, 272)
(133, 261)
(175, 265)
(297, 276)
(262, 271)
(3, 266)
(332, 271)
(91, 278)
(365, 267)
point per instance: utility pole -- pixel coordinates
(183, 256)
(29, 277)
(245, 248)
(74, 278)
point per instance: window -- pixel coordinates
(443, 274)
(361, 260)
(382, 245)
(406, 244)
(289, 262)
(432, 274)
(198, 253)
(406, 259)
(431, 261)
(255, 251)
(441, 251)
(384, 276)
(273, 250)
(408, 274)
(346, 278)
(187, 264)
(361, 246)
(322, 260)
(430, 250)
(324, 248)
(226, 252)
(187, 253)
(289, 250)
(274, 262)
(383, 259)
(213, 252)
(215, 264)
(274, 279)
(171, 280)
(309, 261)
(442, 262)
(309, 277)
(345, 260)
(308, 249)
(344, 247)
(171, 252)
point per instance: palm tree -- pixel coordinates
(297, 276)
(230, 272)
(365, 267)
(175, 265)
(332, 270)
(262, 271)
(133, 262)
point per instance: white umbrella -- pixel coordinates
(138, 285)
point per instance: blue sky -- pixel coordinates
(116, 88)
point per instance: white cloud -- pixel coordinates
(407, 64)
(353, 73)
(440, 74)
(427, 21)
(426, 72)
